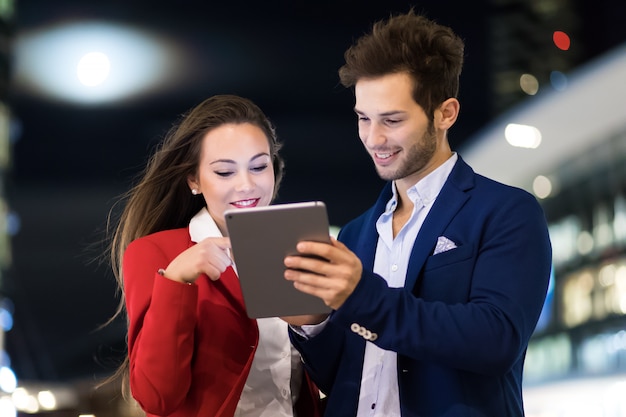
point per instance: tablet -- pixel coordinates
(260, 238)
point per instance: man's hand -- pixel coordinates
(332, 278)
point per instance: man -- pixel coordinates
(437, 288)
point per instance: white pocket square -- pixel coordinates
(443, 244)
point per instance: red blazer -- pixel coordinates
(190, 346)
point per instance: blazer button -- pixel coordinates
(355, 327)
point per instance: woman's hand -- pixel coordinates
(209, 256)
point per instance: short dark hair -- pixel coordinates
(432, 54)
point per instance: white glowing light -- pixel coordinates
(522, 136)
(7, 408)
(25, 401)
(47, 400)
(93, 68)
(542, 186)
(8, 380)
(128, 62)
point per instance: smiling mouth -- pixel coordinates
(246, 203)
(385, 155)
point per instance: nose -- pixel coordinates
(245, 182)
(372, 134)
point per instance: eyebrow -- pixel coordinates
(385, 114)
(230, 161)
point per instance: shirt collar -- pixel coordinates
(202, 226)
(427, 189)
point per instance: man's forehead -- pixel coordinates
(388, 91)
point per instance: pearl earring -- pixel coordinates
(194, 191)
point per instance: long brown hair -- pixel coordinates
(161, 198)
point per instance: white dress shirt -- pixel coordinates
(275, 378)
(379, 396)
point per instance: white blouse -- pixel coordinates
(275, 378)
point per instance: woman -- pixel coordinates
(192, 350)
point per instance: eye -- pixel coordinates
(392, 121)
(223, 173)
(259, 168)
(362, 118)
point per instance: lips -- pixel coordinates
(384, 158)
(251, 202)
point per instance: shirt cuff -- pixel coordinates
(309, 330)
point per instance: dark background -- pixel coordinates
(70, 162)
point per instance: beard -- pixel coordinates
(417, 157)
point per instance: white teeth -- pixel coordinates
(245, 202)
(383, 155)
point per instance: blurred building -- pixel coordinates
(520, 34)
(570, 152)
(582, 336)
(559, 131)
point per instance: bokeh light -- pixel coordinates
(93, 62)
(93, 68)
(529, 84)
(8, 380)
(542, 186)
(558, 80)
(561, 40)
(522, 136)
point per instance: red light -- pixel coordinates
(561, 40)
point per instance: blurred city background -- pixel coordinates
(88, 87)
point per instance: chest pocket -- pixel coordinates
(447, 276)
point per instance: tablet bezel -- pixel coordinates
(260, 239)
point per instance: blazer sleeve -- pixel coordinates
(162, 318)
(321, 354)
(473, 308)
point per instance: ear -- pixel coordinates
(192, 182)
(447, 113)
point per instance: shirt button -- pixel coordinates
(394, 267)
(285, 392)
(373, 406)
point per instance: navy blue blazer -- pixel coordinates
(462, 322)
